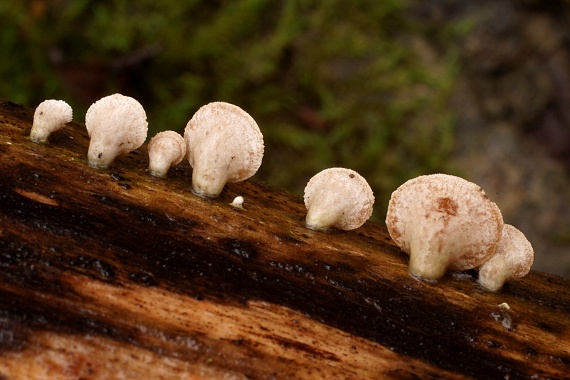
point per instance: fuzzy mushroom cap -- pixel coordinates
(443, 222)
(50, 116)
(224, 144)
(165, 150)
(338, 197)
(116, 125)
(513, 259)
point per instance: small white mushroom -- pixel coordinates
(237, 202)
(337, 197)
(224, 144)
(512, 260)
(51, 115)
(443, 222)
(116, 125)
(165, 150)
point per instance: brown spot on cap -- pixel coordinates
(447, 206)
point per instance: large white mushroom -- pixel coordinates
(116, 125)
(165, 149)
(337, 197)
(224, 144)
(512, 260)
(50, 115)
(443, 222)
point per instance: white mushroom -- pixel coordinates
(165, 149)
(512, 260)
(339, 198)
(50, 116)
(224, 144)
(116, 125)
(237, 202)
(443, 222)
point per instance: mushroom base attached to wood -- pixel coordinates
(101, 155)
(208, 177)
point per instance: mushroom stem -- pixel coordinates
(159, 166)
(426, 260)
(493, 277)
(101, 155)
(323, 214)
(212, 160)
(40, 133)
(423, 265)
(208, 183)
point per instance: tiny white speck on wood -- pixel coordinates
(237, 202)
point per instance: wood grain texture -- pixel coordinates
(117, 275)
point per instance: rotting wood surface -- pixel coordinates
(116, 274)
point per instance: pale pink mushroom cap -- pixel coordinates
(224, 144)
(165, 150)
(50, 116)
(116, 125)
(337, 197)
(513, 259)
(443, 222)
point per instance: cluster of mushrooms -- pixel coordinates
(442, 222)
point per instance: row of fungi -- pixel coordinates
(442, 222)
(222, 142)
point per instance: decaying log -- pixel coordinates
(116, 274)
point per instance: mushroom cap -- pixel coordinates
(338, 197)
(50, 116)
(165, 150)
(443, 222)
(224, 144)
(116, 125)
(512, 259)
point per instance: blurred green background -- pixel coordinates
(331, 83)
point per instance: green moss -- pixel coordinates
(330, 84)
